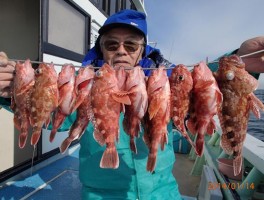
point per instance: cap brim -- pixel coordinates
(106, 28)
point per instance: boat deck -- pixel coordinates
(182, 169)
(59, 180)
(55, 181)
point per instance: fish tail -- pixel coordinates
(211, 127)
(52, 134)
(199, 145)
(226, 144)
(191, 126)
(22, 140)
(200, 137)
(23, 134)
(136, 128)
(146, 139)
(126, 124)
(133, 146)
(65, 144)
(76, 130)
(110, 158)
(151, 163)
(57, 122)
(47, 122)
(99, 137)
(17, 122)
(152, 156)
(77, 103)
(237, 165)
(163, 141)
(35, 137)
(186, 136)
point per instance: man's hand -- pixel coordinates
(7, 69)
(254, 63)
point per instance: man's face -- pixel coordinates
(122, 47)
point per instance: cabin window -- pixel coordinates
(113, 7)
(127, 4)
(66, 30)
(110, 7)
(124, 4)
(96, 2)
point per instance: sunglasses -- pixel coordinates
(113, 45)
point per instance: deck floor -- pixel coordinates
(56, 181)
(188, 184)
(59, 180)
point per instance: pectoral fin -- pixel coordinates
(154, 107)
(121, 98)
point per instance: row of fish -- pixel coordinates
(149, 103)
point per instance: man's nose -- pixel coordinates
(121, 48)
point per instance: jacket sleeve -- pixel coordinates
(93, 58)
(153, 59)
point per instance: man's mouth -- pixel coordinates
(120, 62)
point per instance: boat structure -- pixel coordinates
(62, 31)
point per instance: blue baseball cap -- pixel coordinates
(126, 18)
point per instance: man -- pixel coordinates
(122, 42)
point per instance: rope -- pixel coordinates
(128, 68)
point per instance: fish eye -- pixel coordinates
(181, 77)
(230, 76)
(98, 73)
(38, 71)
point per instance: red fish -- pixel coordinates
(44, 98)
(67, 98)
(106, 105)
(237, 86)
(84, 115)
(181, 84)
(24, 80)
(136, 86)
(121, 76)
(158, 114)
(84, 110)
(206, 102)
(83, 84)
